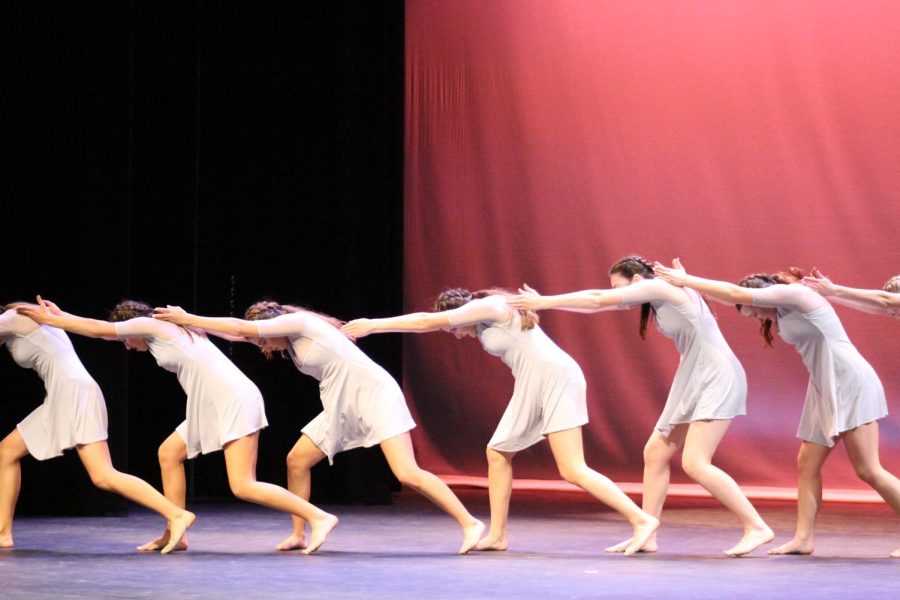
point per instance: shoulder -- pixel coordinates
(12, 323)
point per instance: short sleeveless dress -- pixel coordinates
(362, 404)
(73, 412)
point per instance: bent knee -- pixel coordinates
(298, 462)
(573, 473)
(241, 490)
(102, 481)
(411, 477)
(694, 467)
(868, 473)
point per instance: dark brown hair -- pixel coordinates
(456, 297)
(132, 309)
(628, 267)
(764, 280)
(269, 309)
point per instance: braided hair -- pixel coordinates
(130, 309)
(456, 297)
(628, 267)
(892, 285)
(269, 309)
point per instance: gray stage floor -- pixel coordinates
(407, 551)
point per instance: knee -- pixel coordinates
(167, 457)
(296, 462)
(806, 466)
(409, 476)
(8, 455)
(241, 489)
(496, 458)
(656, 454)
(693, 466)
(102, 480)
(572, 473)
(868, 473)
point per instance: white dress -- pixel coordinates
(550, 393)
(844, 391)
(73, 412)
(222, 403)
(362, 404)
(710, 383)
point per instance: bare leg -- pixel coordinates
(809, 498)
(658, 453)
(500, 477)
(240, 462)
(568, 451)
(172, 454)
(302, 457)
(399, 454)
(862, 448)
(703, 438)
(12, 450)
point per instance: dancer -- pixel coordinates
(709, 390)
(362, 404)
(224, 409)
(844, 399)
(549, 400)
(73, 415)
(885, 301)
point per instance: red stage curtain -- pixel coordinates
(547, 139)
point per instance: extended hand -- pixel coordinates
(358, 328)
(527, 299)
(819, 283)
(676, 275)
(172, 314)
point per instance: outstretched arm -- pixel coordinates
(421, 322)
(483, 310)
(876, 302)
(48, 313)
(722, 291)
(585, 301)
(229, 328)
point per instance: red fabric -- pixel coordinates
(545, 140)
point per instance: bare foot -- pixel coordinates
(753, 539)
(794, 546)
(177, 530)
(493, 543)
(161, 542)
(318, 531)
(6, 542)
(648, 547)
(292, 542)
(471, 535)
(642, 533)
(894, 554)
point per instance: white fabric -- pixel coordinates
(550, 393)
(362, 404)
(73, 412)
(710, 382)
(222, 403)
(844, 391)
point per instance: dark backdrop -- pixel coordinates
(205, 154)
